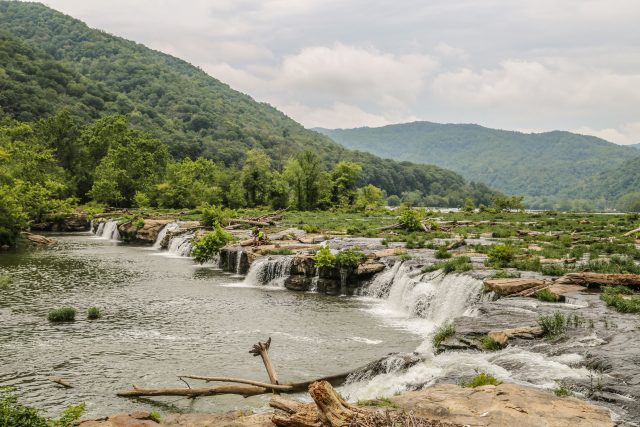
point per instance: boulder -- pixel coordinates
(298, 282)
(526, 332)
(311, 239)
(38, 239)
(369, 268)
(502, 405)
(504, 287)
(134, 419)
(150, 230)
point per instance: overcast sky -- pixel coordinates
(530, 65)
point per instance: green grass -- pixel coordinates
(94, 313)
(489, 343)
(277, 252)
(443, 332)
(380, 402)
(63, 314)
(546, 295)
(455, 265)
(553, 325)
(482, 379)
(155, 416)
(621, 298)
(442, 253)
(503, 274)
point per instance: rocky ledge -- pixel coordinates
(440, 405)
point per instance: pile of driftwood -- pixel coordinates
(328, 409)
(259, 221)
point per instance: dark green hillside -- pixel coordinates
(193, 113)
(551, 164)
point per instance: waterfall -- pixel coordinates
(108, 230)
(172, 226)
(381, 283)
(239, 261)
(269, 271)
(181, 244)
(314, 281)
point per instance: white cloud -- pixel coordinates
(338, 115)
(627, 134)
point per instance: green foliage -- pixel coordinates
(621, 298)
(5, 281)
(155, 416)
(489, 343)
(349, 259)
(482, 379)
(209, 244)
(13, 414)
(141, 200)
(468, 205)
(553, 325)
(69, 416)
(507, 203)
(410, 219)
(368, 197)
(455, 265)
(94, 313)
(256, 177)
(444, 331)
(562, 390)
(311, 228)
(215, 215)
(546, 295)
(344, 180)
(138, 223)
(324, 258)
(63, 314)
(503, 274)
(501, 255)
(442, 253)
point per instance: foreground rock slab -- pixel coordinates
(143, 419)
(599, 279)
(504, 287)
(503, 405)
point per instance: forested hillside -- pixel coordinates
(194, 114)
(548, 167)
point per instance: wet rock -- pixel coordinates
(526, 332)
(78, 221)
(303, 264)
(298, 282)
(503, 405)
(598, 279)
(504, 287)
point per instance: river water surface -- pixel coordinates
(165, 316)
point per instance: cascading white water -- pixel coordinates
(381, 283)
(181, 244)
(269, 271)
(172, 226)
(239, 261)
(108, 230)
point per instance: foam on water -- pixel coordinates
(269, 271)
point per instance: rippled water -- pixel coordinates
(165, 316)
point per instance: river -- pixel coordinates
(165, 316)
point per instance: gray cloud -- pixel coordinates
(512, 64)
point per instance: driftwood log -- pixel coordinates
(60, 381)
(598, 279)
(629, 233)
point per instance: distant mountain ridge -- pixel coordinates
(50, 60)
(542, 166)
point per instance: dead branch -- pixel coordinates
(456, 244)
(629, 233)
(60, 381)
(262, 349)
(245, 391)
(279, 387)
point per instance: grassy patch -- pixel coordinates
(504, 274)
(482, 379)
(443, 332)
(277, 252)
(621, 298)
(63, 314)
(553, 325)
(456, 265)
(562, 390)
(489, 343)
(5, 281)
(546, 295)
(94, 313)
(155, 416)
(442, 253)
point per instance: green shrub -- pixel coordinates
(63, 314)
(442, 253)
(562, 390)
(324, 258)
(444, 331)
(489, 343)
(501, 255)
(94, 313)
(553, 325)
(209, 244)
(546, 295)
(138, 222)
(14, 414)
(501, 233)
(455, 265)
(349, 259)
(410, 219)
(215, 215)
(482, 379)
(69, 416)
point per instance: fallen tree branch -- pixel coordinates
(629, 233)
(262, 349)
(60, 381)
(245, 391)
(280, 387)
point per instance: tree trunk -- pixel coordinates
(598, 279)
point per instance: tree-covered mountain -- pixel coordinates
(95, 73)
(546, 167)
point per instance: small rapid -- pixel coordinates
(269, 271)
(170, 227)
(177, 244)
(108, 230)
